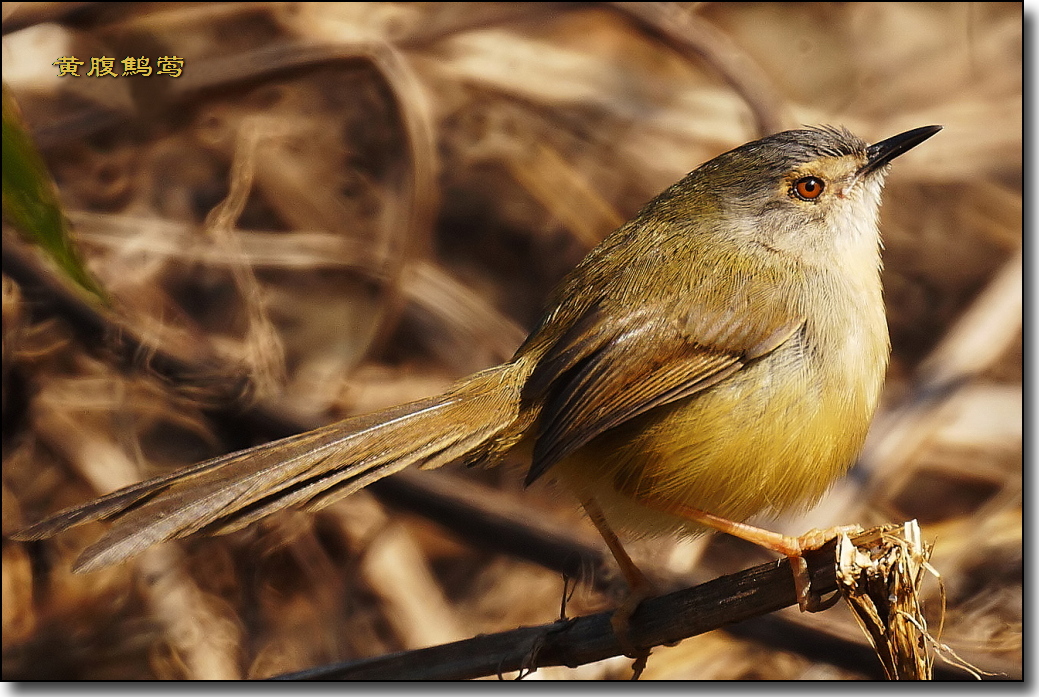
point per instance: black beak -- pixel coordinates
(879, 154)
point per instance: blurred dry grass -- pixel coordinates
(356, 203)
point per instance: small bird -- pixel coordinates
(719, 356)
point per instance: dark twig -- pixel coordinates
(491, 520)
(657, 621)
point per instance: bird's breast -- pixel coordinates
(769, 438)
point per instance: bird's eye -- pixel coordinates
(808, 188)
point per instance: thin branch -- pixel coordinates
(657, 621)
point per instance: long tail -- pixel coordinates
(309, 470)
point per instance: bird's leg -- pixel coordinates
(793, 548)
(639, 586)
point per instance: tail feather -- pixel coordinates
(308, 470)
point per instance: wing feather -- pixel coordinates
(600, 375)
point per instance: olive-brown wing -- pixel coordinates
(597, 377)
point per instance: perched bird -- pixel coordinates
(718, 356)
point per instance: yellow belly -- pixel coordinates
(768, 439)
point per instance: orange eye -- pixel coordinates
(809, 188)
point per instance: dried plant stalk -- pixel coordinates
(880, 578)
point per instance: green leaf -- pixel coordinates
(31, 204)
